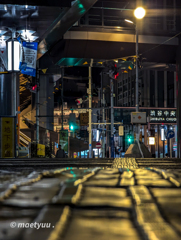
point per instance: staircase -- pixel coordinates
(24, 139)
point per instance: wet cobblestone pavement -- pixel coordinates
(121, 202)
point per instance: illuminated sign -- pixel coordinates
(163, 116)
(151, 140)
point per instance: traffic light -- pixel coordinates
(72, 122)
(79, 101)
(130, 139)
(71, 127)
(32, 87)
(116, 73)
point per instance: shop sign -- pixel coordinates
(162, 116)
(151, 140)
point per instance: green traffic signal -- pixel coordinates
(71, 127)
(129, 138)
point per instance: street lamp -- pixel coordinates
(139, 13)
(13, 53)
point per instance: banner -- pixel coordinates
(63, 139)
(28, 58)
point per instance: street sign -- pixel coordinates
(170, 134)
(41, 150)
(138, 117)
(121, 131)
(84, 119)
(7, 138)
(98, 145)
(163, 116)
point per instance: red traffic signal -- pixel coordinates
(116, 75)
(34, 88)
(79, 101)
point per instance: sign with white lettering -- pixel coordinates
(163, 116)
(28, 58)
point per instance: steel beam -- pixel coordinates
(63, 24)
(52, 3)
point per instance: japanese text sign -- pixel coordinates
(7, 137)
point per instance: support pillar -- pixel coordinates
(178, 95)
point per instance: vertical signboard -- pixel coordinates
(63, 139)
(41, 150)
(84, 119)
(7, 137)
(28, 58)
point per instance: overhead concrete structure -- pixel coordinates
(112, 45)
(60, 3)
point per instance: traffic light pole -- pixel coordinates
(137, 92)
(112, 119)
(137, 83)
(90, 109)
(62, 95)
(37, 102)
(103, 119)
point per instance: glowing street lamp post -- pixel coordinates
(139, 13)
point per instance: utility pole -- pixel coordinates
(137, 83)
(62, 95)
(103, 120)
(37, 102)
(90, 109)
(112, 119)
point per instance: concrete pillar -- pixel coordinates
(179, 99)
(46, 100)
(8, 98)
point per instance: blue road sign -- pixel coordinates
(170, 134)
